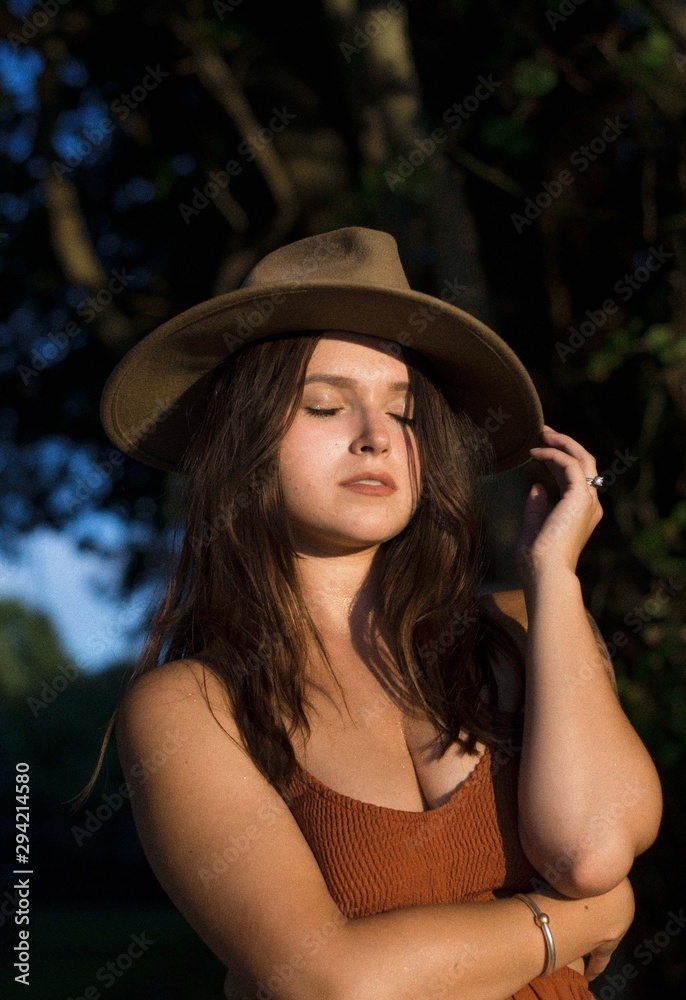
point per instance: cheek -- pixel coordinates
(306, 453)
(410, 451)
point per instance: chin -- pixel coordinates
(334, 545)
(352, 536)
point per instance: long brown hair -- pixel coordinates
(232, 597)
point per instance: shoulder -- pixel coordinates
(186, 678)
(213, 828)
(181, 697)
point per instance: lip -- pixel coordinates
(383, 477)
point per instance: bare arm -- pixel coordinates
(232, 859)
(589, 794)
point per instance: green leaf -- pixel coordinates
(500, 132)
(657, 337)
(534, 79)
(678, 514)
(657, 49)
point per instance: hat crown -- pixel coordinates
(354, 255)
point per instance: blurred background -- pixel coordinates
(530, 160)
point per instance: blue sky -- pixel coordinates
(51, 573)
(54, 576)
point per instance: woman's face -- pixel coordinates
(352, 424)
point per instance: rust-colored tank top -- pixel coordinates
(375, 858)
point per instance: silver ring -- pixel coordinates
(595, 481)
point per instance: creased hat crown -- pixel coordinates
(354, 255)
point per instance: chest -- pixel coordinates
(365, 745)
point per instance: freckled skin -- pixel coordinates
(364, 433)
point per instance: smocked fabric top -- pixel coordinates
(376, 858)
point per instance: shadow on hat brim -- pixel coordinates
(154, 398)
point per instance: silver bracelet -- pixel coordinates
(541, 920)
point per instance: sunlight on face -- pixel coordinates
(353, 423)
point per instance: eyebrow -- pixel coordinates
(345, 382)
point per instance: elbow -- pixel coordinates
(594, 874)
(651, 814)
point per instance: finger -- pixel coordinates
(551, 436)
(595, 967)
(598, 962)
(565, 468)
(565, 442)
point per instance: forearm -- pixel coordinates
(465, 951)
(589, 794)
(446, 951)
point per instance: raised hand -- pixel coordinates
(553, 536)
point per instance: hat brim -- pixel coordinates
(154, 398)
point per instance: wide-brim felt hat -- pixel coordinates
(350, 279)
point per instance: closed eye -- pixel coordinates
(328, 413)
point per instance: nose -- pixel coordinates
(374, 432)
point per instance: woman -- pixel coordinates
(397, 801)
